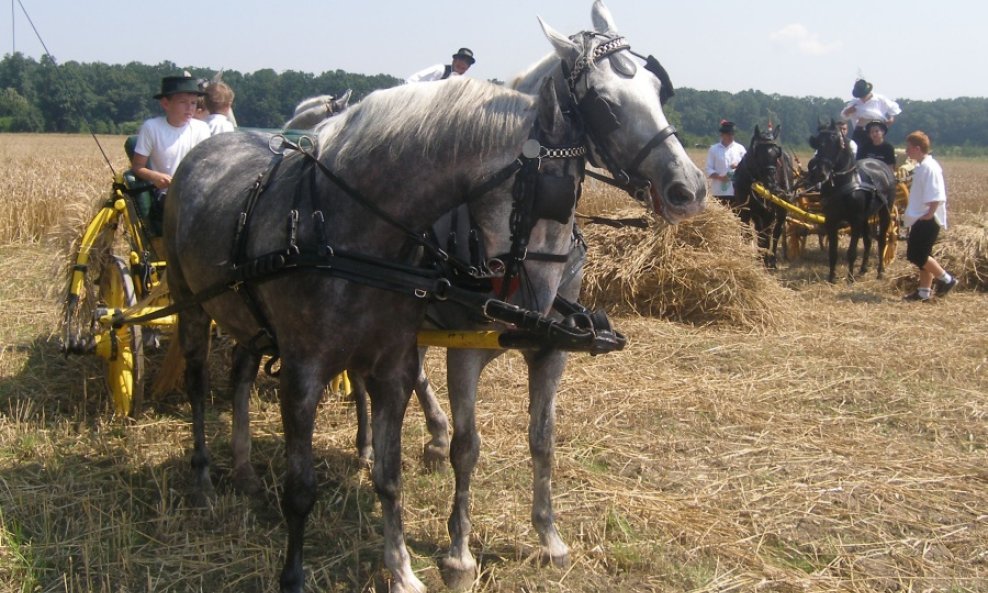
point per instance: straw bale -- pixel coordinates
(964, 252)
(703, 271)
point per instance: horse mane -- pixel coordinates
(438, 119)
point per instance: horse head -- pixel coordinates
(315, 110)
(621, 106)
(833, 154)
(765, 158)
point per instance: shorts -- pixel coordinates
(922, 235)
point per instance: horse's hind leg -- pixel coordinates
(545, 368)
(866, 245)
(884, 222)
(242, 375)
(832, 252)
(436, 451)
(463, 367)
(389, 399)
(193, 335)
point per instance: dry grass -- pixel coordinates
(839, 445)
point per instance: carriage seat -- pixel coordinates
(142, 193)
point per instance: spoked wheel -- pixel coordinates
(795, 241)
(891, 237)
(123, 349)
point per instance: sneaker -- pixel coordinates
(914, 296)
(944, 287)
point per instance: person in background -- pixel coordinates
(877, 146)
(868, 106)
(925, 215)
(722, 160)
(219, 103)
(462, 60)
(842, 127)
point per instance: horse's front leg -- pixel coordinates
(463, 367)
(778, 226)
(193, 335)
(243, 372)
(545, 368)
(832, 251)
(866, 245)
(365, 448)
(301, 388)
(436, 450)
(389, 399)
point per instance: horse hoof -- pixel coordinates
(198, 499)
(246, 482)
(365, 458)
(434, 457)
(458, 575)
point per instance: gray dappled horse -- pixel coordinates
(621, 105)
(851, 192)
(290, 253)
(314, 110)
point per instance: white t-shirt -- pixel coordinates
(165, 145)
(927, 187)
(722, 160)
(878, 108)
(219, 123)
(431, 73)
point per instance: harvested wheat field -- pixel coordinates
(761, 431)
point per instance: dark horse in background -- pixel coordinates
(766, 163)
(851, 192)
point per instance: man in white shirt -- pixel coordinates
(722, 160)
(462, 60)
(867, 107)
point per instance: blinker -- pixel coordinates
(555, 198)
(666, 91)
(598, 114)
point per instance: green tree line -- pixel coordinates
(40, 96)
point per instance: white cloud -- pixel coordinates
(802, 39)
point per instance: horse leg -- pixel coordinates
(852, 251)
(463, 367)
(884, 222)
(866, 245)
(389, 398)
(779, 223)
(436, 451)
(242, 375)
(545, 368)
(365, 447)
(193, 335)
(301, 388)
(832, 228)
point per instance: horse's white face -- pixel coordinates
(628, 102)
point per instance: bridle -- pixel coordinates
(598, 116)
(840, 165)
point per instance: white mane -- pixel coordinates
(439, 119)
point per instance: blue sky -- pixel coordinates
(907, 48)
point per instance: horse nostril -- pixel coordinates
(678, 195)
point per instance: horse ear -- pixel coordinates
(777, 133)
(565, 48)
(758, 132)
(833, 124)
(340, 103)
(603, 22)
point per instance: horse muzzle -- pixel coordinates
(678, 200)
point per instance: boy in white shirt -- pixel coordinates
(925, 215)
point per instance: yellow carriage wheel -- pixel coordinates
(795, 240)
(891, 237)
(125, 363)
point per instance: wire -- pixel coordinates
(81, 115)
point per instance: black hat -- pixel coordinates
(172, 85)
(861, 88)
(726, 127)
(880, 124)
(465, 54)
